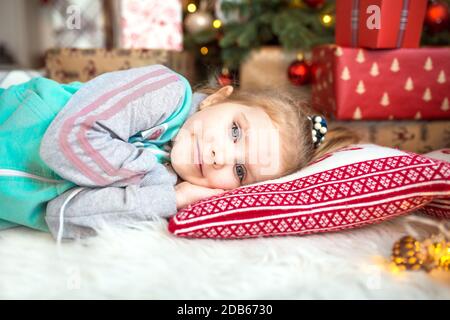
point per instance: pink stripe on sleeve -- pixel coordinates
(88, 123)
(68, 126)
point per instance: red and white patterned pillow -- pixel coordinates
(440, 207)
(354, 186)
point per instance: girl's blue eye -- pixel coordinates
(240, 172)
(235, 132)
(238, 168)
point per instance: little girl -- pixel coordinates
(133, 145)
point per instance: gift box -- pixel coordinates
(410, 135)
(379, 23)
(70, 64)
(78, 23)
(150, 24)
(351, 83)
(266, 67)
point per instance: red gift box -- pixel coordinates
(379, 24)
(356, 83)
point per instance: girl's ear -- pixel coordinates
(216, 97)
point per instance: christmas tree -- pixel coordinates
(291, 24)
(224, 32)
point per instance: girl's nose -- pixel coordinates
(221, 158)
(217, 163)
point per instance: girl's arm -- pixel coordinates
(79, 212)
(87, 142)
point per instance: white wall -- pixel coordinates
(25, 28)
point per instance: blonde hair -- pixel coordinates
(289, 113)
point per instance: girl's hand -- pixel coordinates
(188, 193)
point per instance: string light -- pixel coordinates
(217, 23)
(327, 20)
(430, 254)
(191, 7)
(204, 51)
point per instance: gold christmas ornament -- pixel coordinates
(199, 20)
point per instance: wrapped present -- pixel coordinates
(78, 23)
(71, 64)
(415, 136)
(379, 23)
(267, 67)
(151, 24)
(351, 83)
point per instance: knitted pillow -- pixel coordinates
(354, 186)
(440, 207)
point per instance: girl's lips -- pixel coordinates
(199, 159)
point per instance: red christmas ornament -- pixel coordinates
(437, 16)
(299, 73)
(314, 3)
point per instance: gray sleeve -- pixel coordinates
(85, 210)
(87, 142)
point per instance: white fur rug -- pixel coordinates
(150, 263)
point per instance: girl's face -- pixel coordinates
(226, 145)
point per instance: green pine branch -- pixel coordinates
(277, 22)
(272, 21)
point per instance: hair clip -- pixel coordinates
(319, 129)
